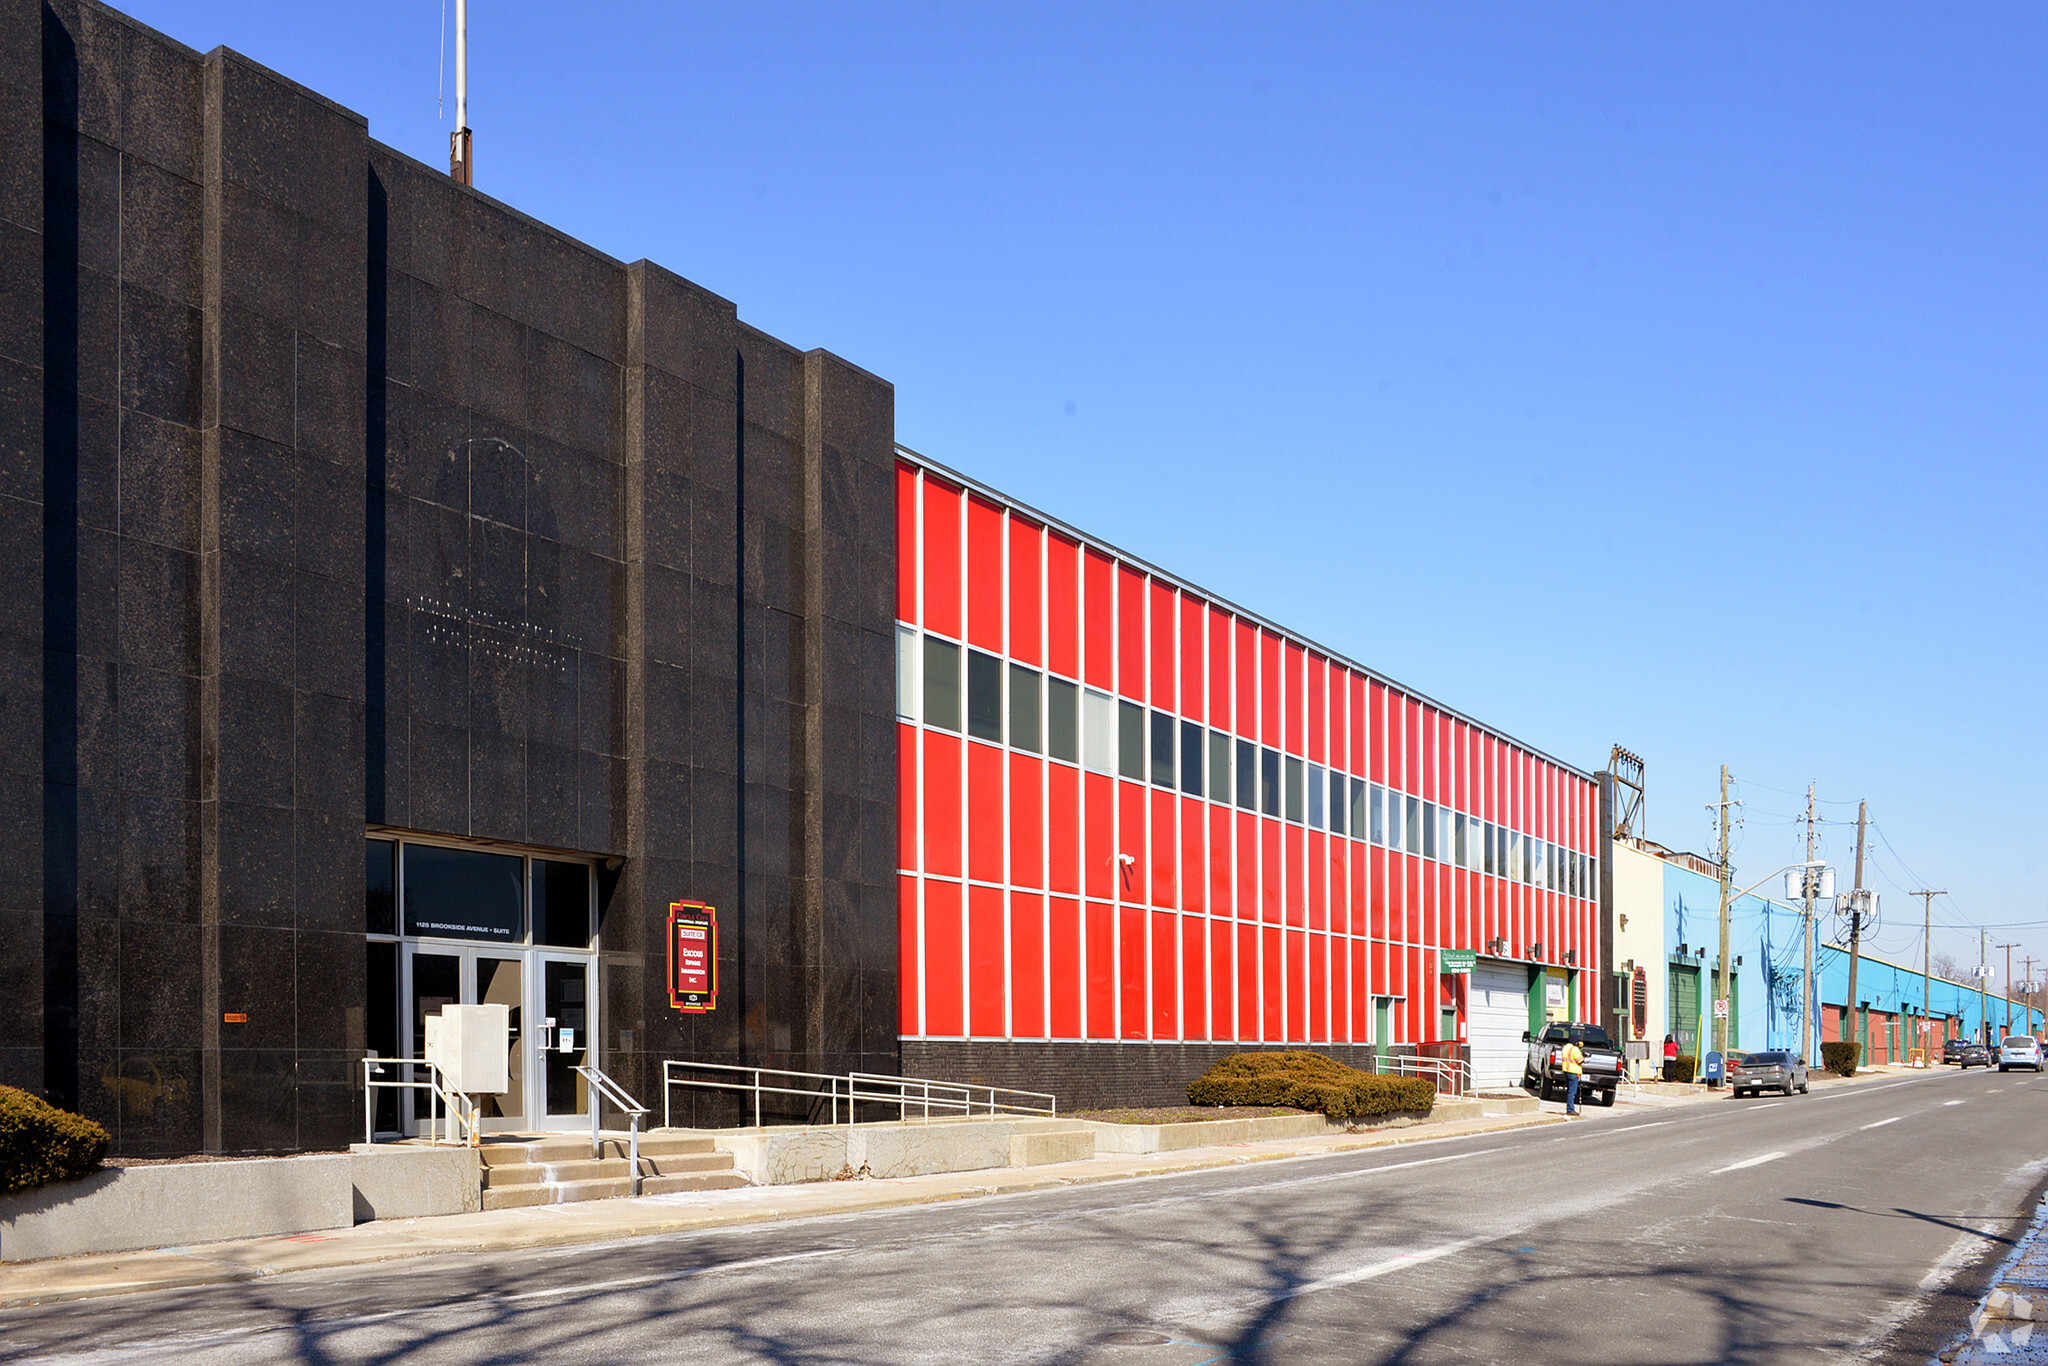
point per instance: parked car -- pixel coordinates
(2021, 1050)
(1543, 1071)
(1952, 1051)
(1769, 1071)
(1973, 1054)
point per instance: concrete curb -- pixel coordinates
(597, 1221)
(2004, 1325)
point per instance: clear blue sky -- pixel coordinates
(1663, 377)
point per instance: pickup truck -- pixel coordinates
(1544, 1070)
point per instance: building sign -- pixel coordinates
(692, 956)
(1639, 1001)
(1457, 960)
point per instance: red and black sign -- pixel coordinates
(692, 956)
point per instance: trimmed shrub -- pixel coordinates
(39, 1142)
(1841, 1058)
(1681, 1068)
(1309, 1081)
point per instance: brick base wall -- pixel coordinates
(1093, 1076)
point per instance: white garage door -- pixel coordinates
(1497, 1013)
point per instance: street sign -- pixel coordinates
(1457, 960)
(1721, 1008)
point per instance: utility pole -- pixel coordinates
(1983, 979)
(2008, 984)
(1720, 1009)
(1808, 1003)
(1927, 948)
(1855, 897)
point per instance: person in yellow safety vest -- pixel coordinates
(1573, 1060)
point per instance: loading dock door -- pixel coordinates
(1497, 1012)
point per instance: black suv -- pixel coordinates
(1952, 1051)
(1974, 1055)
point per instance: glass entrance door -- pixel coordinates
(565, 1000)
(436, 977)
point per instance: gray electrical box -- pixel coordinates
(472, 1046)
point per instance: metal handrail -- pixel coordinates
(965, 1102)
(852, 1087)
(460, 1107)
(610, 1090)
(669, 1079)
(1453, 1076)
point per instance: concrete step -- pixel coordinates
(660, 1144)
(685, 1163)
(576, 1147)
(603, 1169)
(518, 1197)
(502, 1175)
(520, 1174)
(692, 1181)
(552, 1169)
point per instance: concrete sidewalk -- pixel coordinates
(594, 1221)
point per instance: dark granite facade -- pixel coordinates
(335, 495)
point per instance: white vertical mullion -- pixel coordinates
(921, 756)
(1116, 809)
(1145, 815)
(1009, 875)
(965, 797)
(1230, 831)
(1045, 785)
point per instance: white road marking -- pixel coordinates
(594, 1287)
(627, 1282)
(1378, 1269)
(1951, 1102)
(1882, 1122)
(1746, 1162)
(1767, 1106)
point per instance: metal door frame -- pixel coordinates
(539, 957)
(465, 952)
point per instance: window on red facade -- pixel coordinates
(1024, 708)
(1062, 720)
(1219, 766)
(941, 684)
(984, 696)
(1162, 750)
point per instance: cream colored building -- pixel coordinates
(1639, 941)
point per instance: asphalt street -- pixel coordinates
(1852, 1225)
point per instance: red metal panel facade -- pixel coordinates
(1047, 893)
